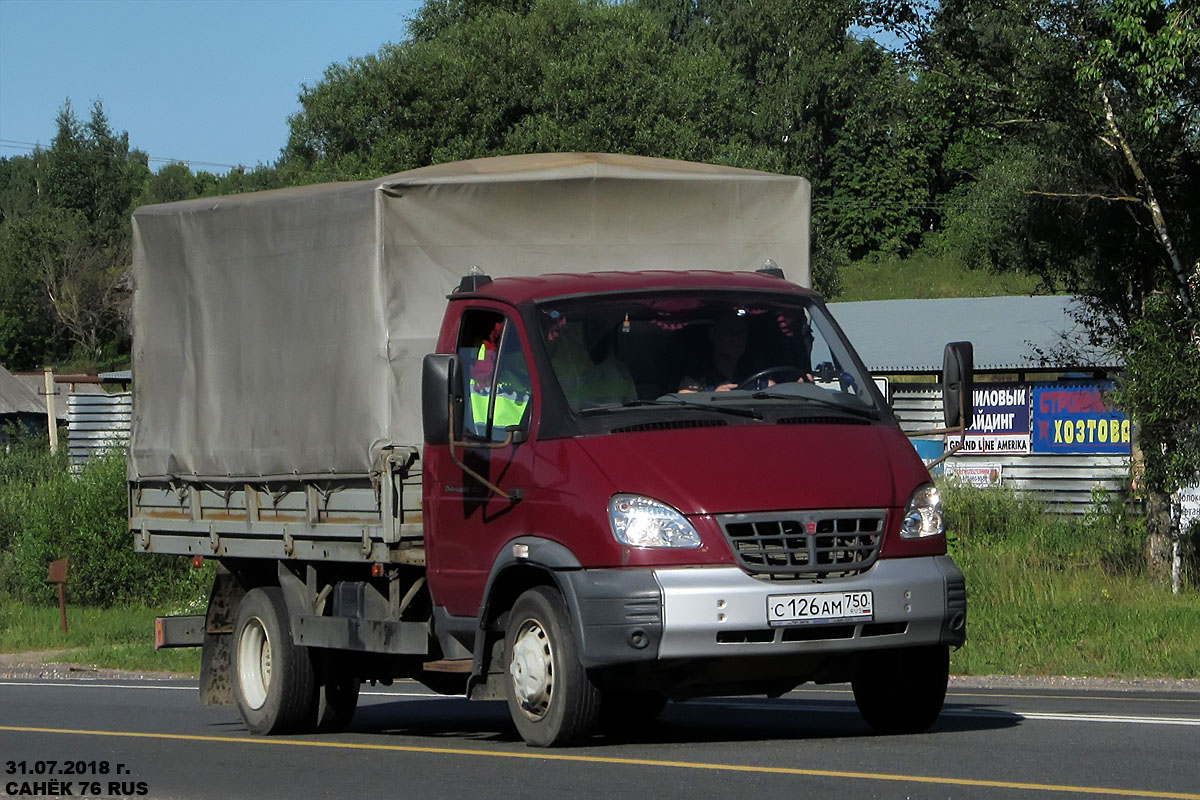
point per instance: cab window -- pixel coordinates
(495, 376)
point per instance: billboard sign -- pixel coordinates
(980, 476)
(1001, 420)
(1075, 419)
(1189, 506)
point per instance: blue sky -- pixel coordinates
(211, 82)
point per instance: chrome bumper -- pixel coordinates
(722, 611)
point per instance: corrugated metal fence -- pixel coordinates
(1064, 482)
(100, 422)
(97, 423)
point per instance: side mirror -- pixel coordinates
(958, 385)
(441, 398)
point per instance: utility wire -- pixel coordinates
(32, 146)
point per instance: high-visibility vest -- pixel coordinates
(511, 400)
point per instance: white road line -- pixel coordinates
(1108, 718)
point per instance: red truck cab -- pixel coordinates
(650, 485)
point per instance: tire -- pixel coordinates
(337, 701)
(551, 698)
(274, 686)
(622, 710)
(902, 691)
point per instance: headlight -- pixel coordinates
(923, 517)
(641, 522)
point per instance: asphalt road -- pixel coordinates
(154, 739)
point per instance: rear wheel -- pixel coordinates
(551, 698)
(274, 688)
(902, 691)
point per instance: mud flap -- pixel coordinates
(216, 670)
(216, 660)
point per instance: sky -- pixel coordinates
(208, 82)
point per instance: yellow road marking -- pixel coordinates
(635, 762)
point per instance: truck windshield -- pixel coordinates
(630, 351)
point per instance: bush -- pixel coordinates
(999, 520)
(47, 514)
(1118, 534)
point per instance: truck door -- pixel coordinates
(473, 521)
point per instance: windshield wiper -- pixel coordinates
(869, 413)
(736, 412)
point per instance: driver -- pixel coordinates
(731, 361)
(728, 337)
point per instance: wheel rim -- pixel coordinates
(531, 669)
(254, 663)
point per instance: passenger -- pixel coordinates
(510, 377)
(583, 353)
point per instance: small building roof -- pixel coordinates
(16, 398)
(1009, 334)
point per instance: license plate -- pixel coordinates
(824, 607)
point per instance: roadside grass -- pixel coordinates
(1079, 622)
(1049, 595)
(121, 637)
(925, 275)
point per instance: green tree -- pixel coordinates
(18, 186)
(1079, 163)
(64, 243)
(90, 168)
(484, 79)
(825, 105)
(29, 334)
(171, 183)
(878, 183)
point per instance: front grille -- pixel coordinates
(805, 544)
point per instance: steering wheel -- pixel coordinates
(754, 381)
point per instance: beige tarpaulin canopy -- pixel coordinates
(281, 333)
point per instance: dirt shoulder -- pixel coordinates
(1045, 682)
(57, 665)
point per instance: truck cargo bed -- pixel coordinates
(351, 518)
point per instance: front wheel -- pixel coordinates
(551, 698)
(902, 691)
(275, 688)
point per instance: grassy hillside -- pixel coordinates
(924, 276)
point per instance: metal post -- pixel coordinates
(62, 607)
(51, 416)
(58, 574)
